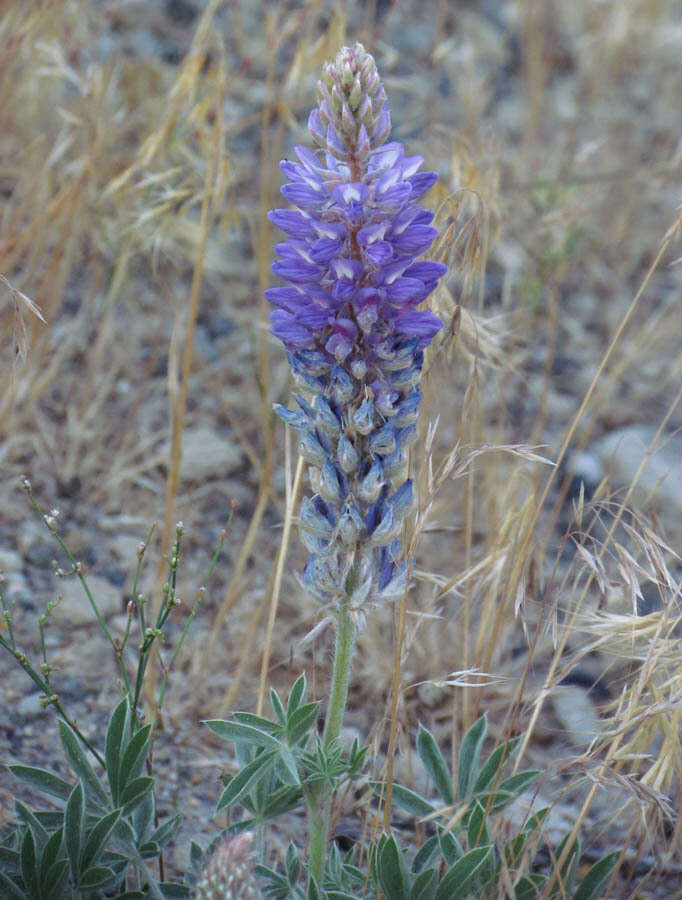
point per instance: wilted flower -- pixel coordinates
(228, 874)
(354, 334)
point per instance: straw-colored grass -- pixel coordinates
(134, 251)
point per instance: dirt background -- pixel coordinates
(555, 129)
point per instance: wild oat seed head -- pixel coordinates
(350, 321)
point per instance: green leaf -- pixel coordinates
(282, 800)
(477, 826)
(34, 822)
(135, 792)
(530, 887)
(55, 878)
(149, 850)
(596, 877)
(519, 782)
(246, 778)
(133, 895)
(96, 877)
(450, 848)
(495, 763)
(313, 890)
(11, 889)
(390, 869)
(300, 721)
(134, 756)
(424, 887)
(42, 780)
(277, 706)
(459, 881)
(245, 718)
(29, 864)
(80, 765)
(290, 775)
(435, 765)
(172, 890)
(117, 730)
(98, 837)
(425, 853)
(407, 800)
(143, 816)
(566, 877)
(74, 828)
(49, 857)
(167, 831)
(469, 753)
(243, 734)
(296, 695)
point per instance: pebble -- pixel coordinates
(207, 454)
(577, 714)
(74, 608)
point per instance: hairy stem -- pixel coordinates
(320, 796)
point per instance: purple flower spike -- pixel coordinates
(353, 330)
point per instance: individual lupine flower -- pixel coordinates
(228, 874)
(350, 321)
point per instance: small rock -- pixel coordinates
(29, 706)
(577, 713)
(74, 607)
(206, 454)
(660, 483)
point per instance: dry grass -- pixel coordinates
(133, 229)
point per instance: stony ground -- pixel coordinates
(563, 123)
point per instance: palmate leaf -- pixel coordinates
(135, 792)
(296, 695)
(55, 877)
(167, 831)
(425, 885)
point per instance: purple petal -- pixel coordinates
(415, 239)
(380, 252)
(422, 324)
(292, 222)
(308, 158)
(323, 249)
(422, 183)
(343, 194)
(288, 298)
(404, 289)
(302, 195)
(339, 346)
(426, 270)
(296, 270)
(313, 317)
(288, 330)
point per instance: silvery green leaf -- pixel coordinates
(244, 780)
(435, 765)
(117, 734)
(495, 763)
(135, 792)
(80, 765)
(459, 881)
(98, 837)
(42, 780)
(596, 877)
(96, 877)
(243, 734)
(29, 865)
(74, 828)
(469, 753)
(134, 756)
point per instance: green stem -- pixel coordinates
(320, 795)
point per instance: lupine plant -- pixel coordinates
(354, 333)
(351, 321)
